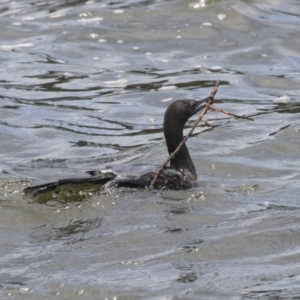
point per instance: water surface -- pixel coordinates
(85, 84)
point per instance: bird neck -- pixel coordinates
(182, 160)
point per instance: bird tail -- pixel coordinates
(100, 179)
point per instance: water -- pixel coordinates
(86, 83)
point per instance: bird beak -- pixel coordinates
(202, 103)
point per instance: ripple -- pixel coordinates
(90, 20)
(12, 47)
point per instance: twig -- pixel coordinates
(229, 113)
(207, 124)
(204, 111)
(213, 93)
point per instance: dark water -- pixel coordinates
(86, 83)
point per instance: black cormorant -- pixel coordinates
(180, 175)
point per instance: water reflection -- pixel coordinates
(75, 231)
(187, 274)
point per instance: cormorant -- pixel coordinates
(180, 175)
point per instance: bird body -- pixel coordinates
(180, 175)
